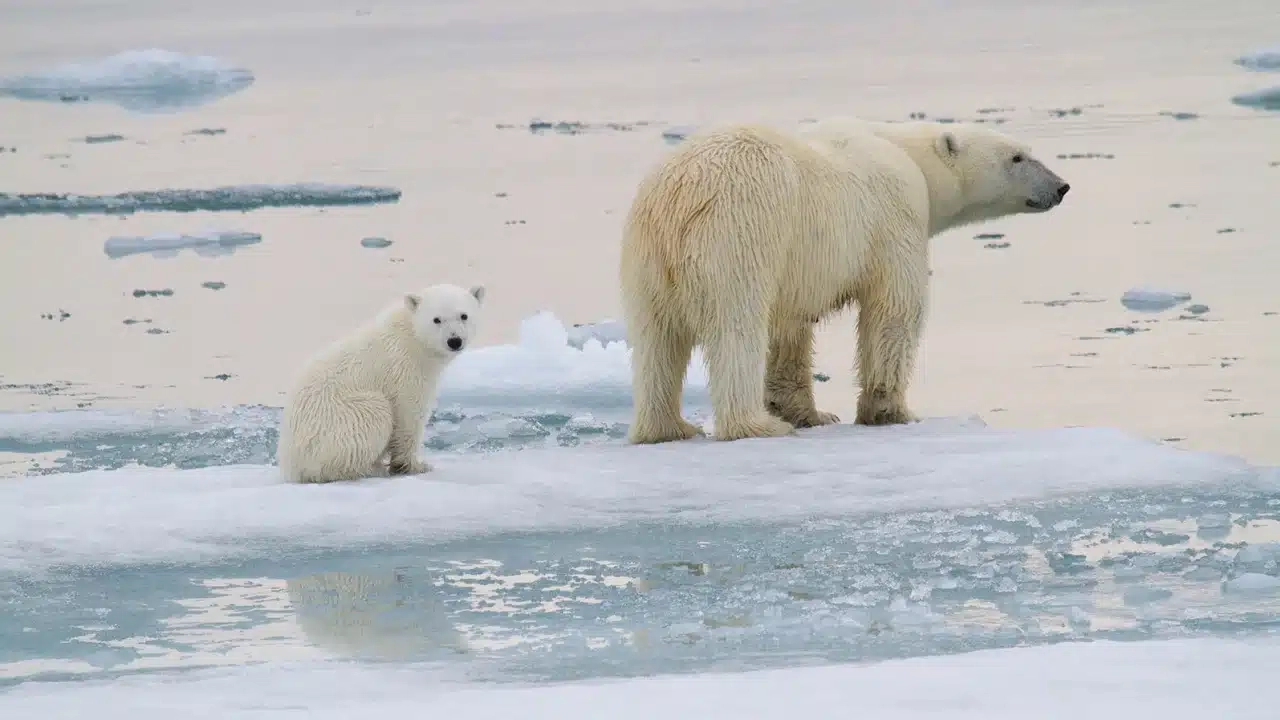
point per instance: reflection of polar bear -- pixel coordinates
(747, 236)
(379, 615)
(368, 396)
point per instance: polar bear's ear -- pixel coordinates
(412, 301)
(478, 293)
(947, 145)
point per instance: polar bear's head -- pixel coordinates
(996, 175)
(444, 316)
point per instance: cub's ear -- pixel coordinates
(412, 301)
(947, 145)
(478, 293)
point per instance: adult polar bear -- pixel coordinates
(746, 236)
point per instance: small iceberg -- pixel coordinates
(1265, 99)
(603, 332)
(146, 81)
(209, 243)
(1261, 61)
(1144, 299)
(231, 197)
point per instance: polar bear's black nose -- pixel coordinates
(454, 343)
(1062, 191)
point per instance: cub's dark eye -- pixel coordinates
(464, 317)
(436, 320)
(1018, 158)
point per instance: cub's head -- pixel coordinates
(444, 316)
(996, 174)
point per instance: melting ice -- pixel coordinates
(138, 80)
(211, 242)
(544, 548)
(231, 197)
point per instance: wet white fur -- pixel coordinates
(359, 408)
(746, 236)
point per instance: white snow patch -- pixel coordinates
(546, 365)
(1169, 680)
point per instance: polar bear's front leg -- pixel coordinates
(891, 316)
(406, 437)
(788, 389)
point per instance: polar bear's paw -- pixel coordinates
(681, 429)
(762, 425)
(881, 408)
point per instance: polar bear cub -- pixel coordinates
(359, 407)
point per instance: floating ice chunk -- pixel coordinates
(1252, 583)
(545, 367)
(839, 471)
(231, 197)
(603, 332)
(138, 80)
(220, 242)
(1261, 61)
(1146, 299)
(1185, 679)
(677, 134)
(1265, 99)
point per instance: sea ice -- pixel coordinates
(210, 242)
(677, 134)
(137, 80)
(1262, 60)
(1185, 679)
(843, 471)
(232, 197)
(1253, 583)
(1146, 299)
(1265, 99)
(554, 366)
(603, 332)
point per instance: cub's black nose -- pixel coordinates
(454, 343)
(1062, 191)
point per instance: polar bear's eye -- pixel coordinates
(1017, 158)
(436, 320)
(464, 317)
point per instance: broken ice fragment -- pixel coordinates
(1265, 99)
(138, 80)
(675, 135)
(231, 197)
(1260, 61)
(225, 240)
(1144, 299)
(603, 332)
